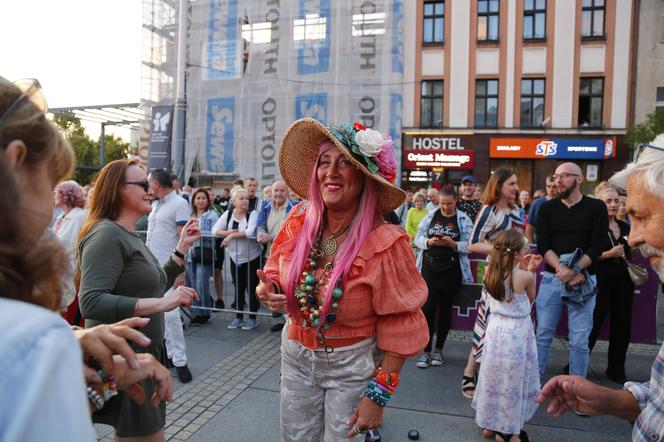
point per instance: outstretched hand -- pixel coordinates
(574, 393)
(150, 369)
(276, 302)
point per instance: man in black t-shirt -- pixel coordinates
(564, 224)
(468, 203)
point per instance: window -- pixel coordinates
(434, 22)
(534, 19)
(592, 22)
(431, 104)
(532, 102)
(487, 20)
(659, 104)
(591, 97)
(486, 103)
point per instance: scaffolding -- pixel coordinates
(254, 66)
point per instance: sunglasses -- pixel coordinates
(31, 90)
(642, 147)
(144, 184)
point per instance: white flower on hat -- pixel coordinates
(369, 141)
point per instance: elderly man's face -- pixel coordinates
(647, 222)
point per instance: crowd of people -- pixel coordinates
(364, 273)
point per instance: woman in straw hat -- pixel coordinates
(347, 281)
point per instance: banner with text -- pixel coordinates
(554, 148)
(161, 120)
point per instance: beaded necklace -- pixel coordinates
(309, 286)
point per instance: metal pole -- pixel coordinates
(102, 144)
(180, 99)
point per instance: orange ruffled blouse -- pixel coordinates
(383, 291)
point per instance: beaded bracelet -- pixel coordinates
(378, 392)
(94, 397)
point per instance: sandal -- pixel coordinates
(468, 386)
(523, 436)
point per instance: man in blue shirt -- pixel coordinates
(551, 193)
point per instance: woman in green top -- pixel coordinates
(120, 278)
(415, 215)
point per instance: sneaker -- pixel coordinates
(249, 324)
(437, 359)
(184, 374)
(235, 323)
(423, 361)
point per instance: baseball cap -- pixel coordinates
(469, 178)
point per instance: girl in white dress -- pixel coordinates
(509, 378)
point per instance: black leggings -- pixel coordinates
(614, 298)
(245, 277)
(439, 303)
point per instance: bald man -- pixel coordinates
(564, 224)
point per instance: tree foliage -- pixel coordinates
(645, 132)
(86, 149)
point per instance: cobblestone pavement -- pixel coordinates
(196, 403)
(219, 383)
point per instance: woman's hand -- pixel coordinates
(191, 232)
(265, 293)
(100, 342)
(368, 415)
(534, 263)
(150, 369)
(179, 297)
(226, 242)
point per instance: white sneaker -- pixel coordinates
(423, 361)
(235, 323)
(249, 324)
(437, 359)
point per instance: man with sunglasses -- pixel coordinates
(564, 224)
(169, 214)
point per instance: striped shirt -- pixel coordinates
(650, 397)
(492, 220)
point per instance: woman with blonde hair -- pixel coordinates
(121, 278)
(237, 226)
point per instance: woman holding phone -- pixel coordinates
(443, 238)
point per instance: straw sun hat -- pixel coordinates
(370, 151)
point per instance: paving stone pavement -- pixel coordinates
(237, 390)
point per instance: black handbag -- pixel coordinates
(202, 254)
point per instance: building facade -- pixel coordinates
(524, 84)
(649, 85)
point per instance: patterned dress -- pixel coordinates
(489, 222)
(509, 378)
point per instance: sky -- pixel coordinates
(84, 52)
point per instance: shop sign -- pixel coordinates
(457, 159)
(554, 148)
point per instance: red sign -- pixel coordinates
(448, 159)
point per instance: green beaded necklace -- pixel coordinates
(308, 287)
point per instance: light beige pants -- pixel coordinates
(320, 391)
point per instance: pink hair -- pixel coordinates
(360, 228)
(71, 194)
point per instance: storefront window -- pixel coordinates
(591, 97)
(532, 102)
(486, 103)
(431, 103)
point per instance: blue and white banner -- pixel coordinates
(312, 106)
(224, 47)
(396, 49)
(396, 105)
(220, 136)
(312, 34)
